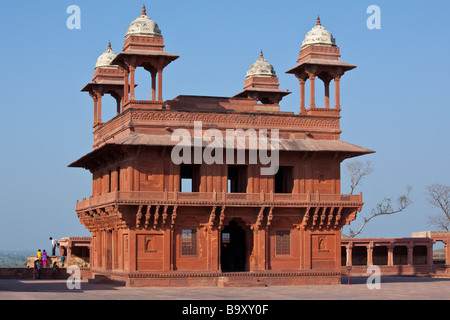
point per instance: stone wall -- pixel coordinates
(30, 261)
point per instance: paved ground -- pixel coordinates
(398, 288)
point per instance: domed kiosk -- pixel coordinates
(319, 57)
(108, 79)
(262, 84)
(144, 47)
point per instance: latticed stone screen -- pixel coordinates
(283, 242)
(189, 242)
(226, 237)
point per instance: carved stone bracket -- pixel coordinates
(221, 218)
(212, 216)
(269, 218)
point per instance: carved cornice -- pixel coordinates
(131, 118)
(242, 120)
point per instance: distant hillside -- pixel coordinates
(13, 259)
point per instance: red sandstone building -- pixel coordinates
(156, 222)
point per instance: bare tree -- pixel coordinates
(439, 197)
(385, 208)
(357, 171)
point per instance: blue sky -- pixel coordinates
(396, 102)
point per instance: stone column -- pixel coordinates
(391, 254)
(69, 253)
(430, 254)
(312, 80)
(160, 97)
(302, 95)
(118, 105)
(370, 254)
(447, 252)
(99, 108)
(327, 93)
(132, 82)
(410, 254)
(153, 85)
(259, 251)
(337, 94)
(114, 180)
(132, 254)
(126, 85)
(167, 255)
(349, 254)
(120, 249)
(94, 97)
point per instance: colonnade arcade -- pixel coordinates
(388, 252)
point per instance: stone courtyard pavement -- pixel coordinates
(392, 288)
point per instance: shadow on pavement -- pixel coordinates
(44, 285)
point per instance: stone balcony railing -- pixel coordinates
(218, 198)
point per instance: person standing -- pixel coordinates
(55, 271)
(37, 269)
(39, 254)
(54, 244)
(44, 258)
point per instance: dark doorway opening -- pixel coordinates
(284, 180)
(237, 179)
(233, 252)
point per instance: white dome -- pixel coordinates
(143, 26)
(261, 68)
(318, 35)
(104, 61)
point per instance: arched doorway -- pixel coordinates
(233, 248)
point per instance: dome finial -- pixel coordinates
(318, 35)
(104, 61)
(143, 26)
(261, 68)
